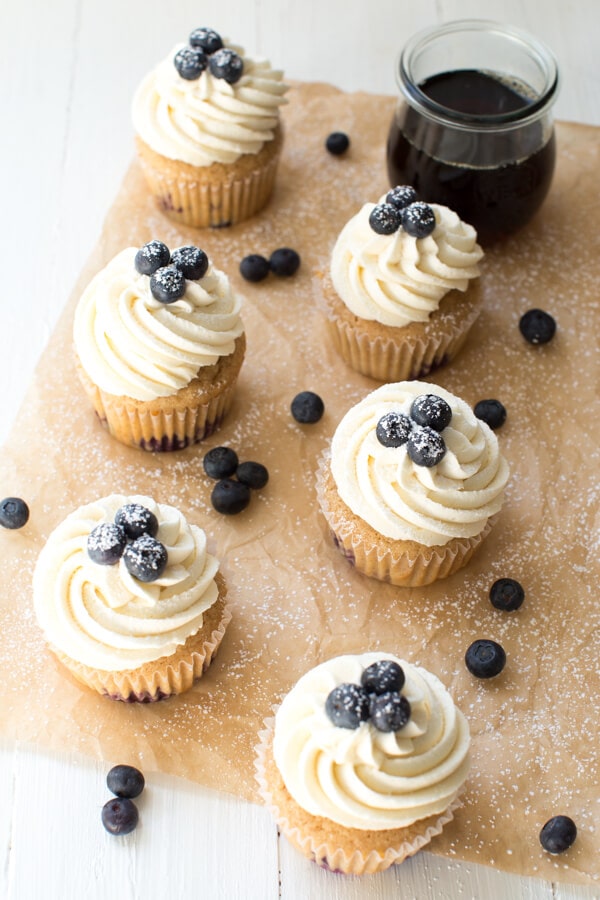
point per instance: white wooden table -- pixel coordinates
(67, 73)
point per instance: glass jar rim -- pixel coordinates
(528, 113)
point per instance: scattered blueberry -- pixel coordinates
(537, 326)
(418, 219)
(106, 544)
(389, 711)
(347, 705)
(337, 143)
(220, 462)
(307, 408)
(383, 676)
(226, 64)
(429, 409)
(425, 446)
(120, 815)
(507, 594)
(401, 196)
(254, 267)
(205, 39)
(145, 558)
(136, 520)
(385, 218)
(152, 256)
(393, 429)
(125, 781)
(167, 284)
(190, 62)
(284, 262)
(191, 262)
(230, 497)
(253, 474)
(485, 658)
(558, 834)
(492, 412)
(14, 512)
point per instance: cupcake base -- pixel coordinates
(350, 851)
(162, 677)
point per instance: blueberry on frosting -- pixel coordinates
(376, 699)
(191, 262)
(167, 284)
(385, 218)
(393, 429)
(389, 711)
(226, 64)
(152, 256)
(106, 543)
(400, 196)
(205, 39)
(347, 705)
(418, 219)
(425, 446)
(401, 209)
(136, 520)
(429, 409)
(190, 62)
(145, 558)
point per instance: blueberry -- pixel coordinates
(485, 658)
(558, 834)
(383, 676)
(136, 520)
(492, 412)
(190, 62)
(120, 815)
(389, 711)
(14, 512)
(230, 497)
(167, 284)
(393, 429)
(429, 409)
(152, 256)
(425, 447)
(347, 705)
(307, 408)
(506, 594)
(125, 781)
(337, 143)
(220, 462)
(145, 558)
(106, 543)
(254, 474)
(205, 39)
(254, 267)
(226, 64)
(537, 326)
(385, 218)
(191, 262)
(401, 196)
(284, 262)
(418, 219)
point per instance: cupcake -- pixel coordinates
(159, 343)
(364, 762)
(129, 599)
(411, 483)
(208, 131)
(402, 292)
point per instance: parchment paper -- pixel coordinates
(295, 600)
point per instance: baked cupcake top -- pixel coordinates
(392, 275)
(356, 774)
(132, 344)
(416, 468)
(107, 596)
(208, 102)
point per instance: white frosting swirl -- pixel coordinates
(132, 345)
(102, 616)
(396, 279)
(405, 501)
(208, 120)
(364, 778)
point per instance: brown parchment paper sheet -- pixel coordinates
(295, 600)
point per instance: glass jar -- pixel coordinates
(473, 126)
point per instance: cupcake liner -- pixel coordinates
(342, 854)
(402, 563)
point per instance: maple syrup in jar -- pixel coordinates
(473, 128)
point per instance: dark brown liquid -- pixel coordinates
(501, 179)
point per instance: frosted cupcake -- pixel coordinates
(159, 342)
(129, 599)
(364, 762)
(411, 484)
(208, 131)
(403, 291)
